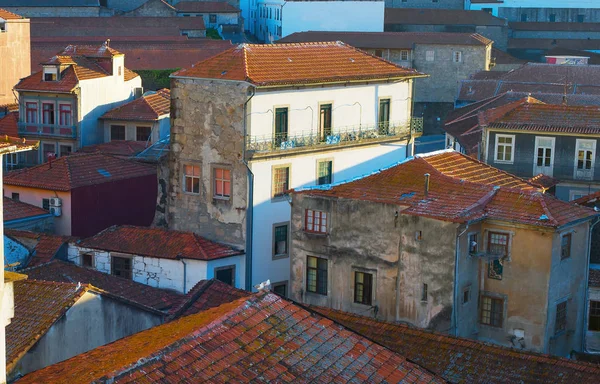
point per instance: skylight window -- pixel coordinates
(104, 172)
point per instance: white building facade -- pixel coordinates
(270, 20)
(540, 10)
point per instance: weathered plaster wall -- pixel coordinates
(88, 324)
(35, 224)
(592, 338)
(149, 8)
(387, 248)
(14, 57)
(207, 128)
(15, 254)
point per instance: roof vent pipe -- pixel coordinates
(427, 184)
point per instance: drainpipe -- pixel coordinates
(456, 281)
(250, 208)
(398, 275)
(587, 289)
(184, 276)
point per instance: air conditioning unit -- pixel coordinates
(56, 211)
(55, 202)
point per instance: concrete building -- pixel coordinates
(452, 245)
(88, 192)
(214, 13)
(14, 53)
(257, 120)
(579, 11)
(271, 20)
(448, 58)
(60, 105)
(160, 258)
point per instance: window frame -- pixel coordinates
(430, 56)
(60, 153)
(215, 181)
(457, 57)
(184, 177)
(280, 196)
(137, 133)
(490, 233)
(318, 283)
(308, 212)
(568, 236)
(111, 126)
(591, 170)
(561, 317)
(52, 111)
(113, 258)
(284, 284)
(538, 146)
(31, 106)
(492, 316)
(594, 313)
(512, 151)
(367, 294)
(212, 18)
(65, 114)
(403, 53)
(319, 162)
(44, 153)
(92, 260)
(475, 250)
(466, 290)
(223, 268)
(277, 256)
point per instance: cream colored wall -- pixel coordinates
(15, 60)
(130, 129)
(33, 196)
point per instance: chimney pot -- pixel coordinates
(427, 184)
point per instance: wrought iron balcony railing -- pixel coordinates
(334, 136)
(55, 130)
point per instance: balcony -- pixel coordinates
(49, 130)
(335, 136)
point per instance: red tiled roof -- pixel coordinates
(414, 16)
(594, 280)
(121, 148)
(14, 144)
(96, 51)
(460, 189)
(387, 40)
(15, 210)
(78, 170)
(263, 338)
(206, 6)
(502, 57)
(302, 63)
(205, 295)
(149, 107)
(460, 360)
(158, 242)
(38, 305)
(43, 246)
(9, 126)
(588, 199)
(6, 15)
(129, 290)
(544, 181)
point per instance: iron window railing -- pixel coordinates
(48, 130)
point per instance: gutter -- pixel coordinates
(587, 288)
(456, 281)
(26, 219)
(250, 204)
(184, 275)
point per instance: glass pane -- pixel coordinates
(359, 277)
(227, 188)
(218, 173)
(312, 262)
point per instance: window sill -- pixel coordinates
(190, 193)
(316, 234)
(277, 199)
(223, 200)
(491, 327)
(503, 162)
(279, 257)
(315, 294)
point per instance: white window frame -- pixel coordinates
(404, 52)
(185, 176)
(512, 151)
(430, 55)
(575, 169)
(10, 157)
(457, 56)
(552, 151)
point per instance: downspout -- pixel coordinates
(250, 208)
(456, 281)
(184, 276)
(587, 289)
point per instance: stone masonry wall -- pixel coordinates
(207, 130)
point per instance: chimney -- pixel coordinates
(427, 184)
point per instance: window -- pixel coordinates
(498, 247)
(544, 148)
(378, 53)
(315, 221)
(505, 148)
(48, 113)
(142, 133)
(594, 319)
(523, 17)
(222, 183)
(281, 125)
(281, 180)
(280, 240)
(585, 158)
(64, 150)
(119, 71)
(48, 150)
(324, 121)
(87, 260)
(457, 56)
(121, 267)
(384, 116)
(280, 288)
(64, 111)
(560, 323)
(404, 55)
(212, 19)
(429, 56)
(117, 132)
(424, 293)
(565, 246)
(492, 311)
(46, 204)
(15, 196)
(31, 110)
(226, 274)
(12, 160)
(191, 178)
(363, 288)
(473, 243)
(466, 294)
(48, 76)
(316, 275)
(552, 17)
(580, 18)
(324, 172)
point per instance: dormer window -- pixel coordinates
(50, 73)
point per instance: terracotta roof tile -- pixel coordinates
(544, 181)
(6, 15)
(594, 280)
(15, 210)
(206, 6)
(158, 242)
(387, 40)
(43, 247)
(460, 189)
(149, 107)
(461, 360)
(100, 51)
(142, 294)
(302, 63)
(121, 148)
(205, 295)
(14, 144)
(38, 305)
(77, 170)
(9, 126)
(263, 338)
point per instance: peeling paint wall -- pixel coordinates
(368, 237)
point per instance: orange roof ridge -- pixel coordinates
(542, 201)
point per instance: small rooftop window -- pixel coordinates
(50, 73)
(104, 172)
